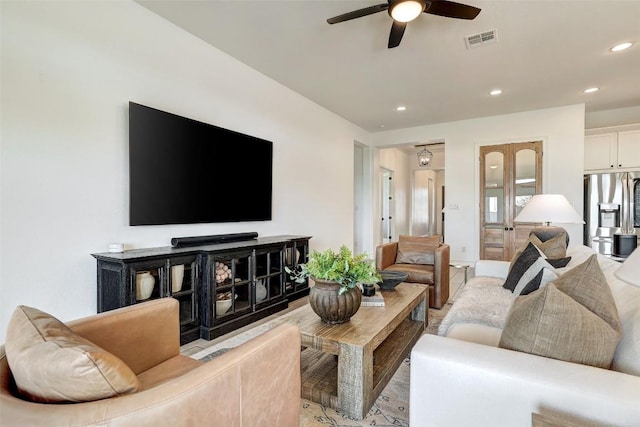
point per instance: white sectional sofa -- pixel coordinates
(461, 377)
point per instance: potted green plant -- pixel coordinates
(335, 296)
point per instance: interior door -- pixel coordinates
(387, 225)
(509, 175)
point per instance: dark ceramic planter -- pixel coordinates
(331, 307)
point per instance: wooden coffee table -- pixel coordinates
(346, 366)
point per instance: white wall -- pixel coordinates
(562, 132)
(69, 70)
(363, 200)
(617, 117)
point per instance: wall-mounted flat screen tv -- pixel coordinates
(182, 171)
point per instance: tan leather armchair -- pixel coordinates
(434, 274)
(257, 383)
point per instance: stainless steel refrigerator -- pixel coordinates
(612, 212)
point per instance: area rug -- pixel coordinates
(391, 408)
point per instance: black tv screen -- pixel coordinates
(182, 171)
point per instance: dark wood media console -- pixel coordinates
(220, 287)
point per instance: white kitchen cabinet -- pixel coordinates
(629, 149)
(600, 151)
(612, 151)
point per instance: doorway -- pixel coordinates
(510, 174)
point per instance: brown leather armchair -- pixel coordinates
(257, 383)
(426, 261)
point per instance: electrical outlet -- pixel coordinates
(463, 249)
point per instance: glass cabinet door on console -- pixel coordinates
(169, 277)
(268, 276)
(230, 278)
(182, 283)
(147, 279)
(296, 253)
(244, 285)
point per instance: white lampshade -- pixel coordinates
(629, 271)
(549, 208)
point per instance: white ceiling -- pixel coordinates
(547, 53)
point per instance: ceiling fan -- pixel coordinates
(404, 11)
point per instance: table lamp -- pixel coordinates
(548, 208)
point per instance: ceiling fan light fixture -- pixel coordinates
(406, 10)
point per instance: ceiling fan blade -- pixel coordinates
(358, 13)
(397, 31)
(451, 9)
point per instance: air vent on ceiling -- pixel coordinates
(480, 39)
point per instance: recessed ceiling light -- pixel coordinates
(494, 166)
(381, 126)
(621, 46)
(591, 90)
(495, 92)
(401, 108)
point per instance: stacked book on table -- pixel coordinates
(376, 300)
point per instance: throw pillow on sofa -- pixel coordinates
(417, 249)
(558, 248)
(548, 232)
(574, 318)
(528, 272)
(50, 363)
(559, 262)
(554, 248)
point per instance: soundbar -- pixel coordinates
(216, 238)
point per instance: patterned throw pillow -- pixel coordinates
(417, 249)
(559, 262)
(528, 272)
(574, 319)
(50, 363)
(556, 247)
(553, 249)
(549, 231)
